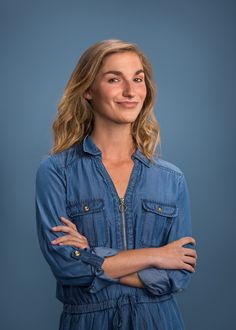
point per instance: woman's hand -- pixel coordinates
(175, 256)
(73, 237)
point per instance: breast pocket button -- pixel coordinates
(77, 253)
(86, 208)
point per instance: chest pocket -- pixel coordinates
(89, 218)
(157, 219)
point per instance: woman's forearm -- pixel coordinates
(128, 262)
(171, 256)
(132, 280)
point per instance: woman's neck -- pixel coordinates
(115, 143)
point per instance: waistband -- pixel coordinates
(113, 303)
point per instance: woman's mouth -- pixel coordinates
(128, 104)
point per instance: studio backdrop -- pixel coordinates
(192, 46)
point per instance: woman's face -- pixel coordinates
(119, 90)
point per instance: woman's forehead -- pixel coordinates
(122, 61)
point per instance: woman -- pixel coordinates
(113, 219)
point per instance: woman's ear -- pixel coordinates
(87, 95)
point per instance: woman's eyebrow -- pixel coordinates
(119, 73)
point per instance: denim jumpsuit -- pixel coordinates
(153, 212)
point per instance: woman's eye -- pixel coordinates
(113, 80)
(138, 79)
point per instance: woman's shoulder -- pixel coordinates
(59, 160)
(164, 165)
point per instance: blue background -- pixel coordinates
(192, 46)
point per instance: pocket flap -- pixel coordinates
(85, 207)
(160, 209)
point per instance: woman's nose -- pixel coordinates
(128, 90)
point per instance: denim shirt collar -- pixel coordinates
(91, 148)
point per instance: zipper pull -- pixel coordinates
(122, 205)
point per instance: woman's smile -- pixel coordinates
(128, 104)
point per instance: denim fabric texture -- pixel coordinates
(76, 185)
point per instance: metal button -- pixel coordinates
(159, 209)
(86, 208)
(77, 253)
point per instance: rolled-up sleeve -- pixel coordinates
(70, 265)
(164, 281)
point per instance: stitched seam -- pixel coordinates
(168, 169)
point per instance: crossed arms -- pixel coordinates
(160, 270)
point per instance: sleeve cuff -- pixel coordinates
(104, 251)
(97, 256)
(156, 281)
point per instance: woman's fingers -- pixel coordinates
(186, 240)
(69, 239)
(75, 243)
(68, 223)
(188, 267)
(190, 261)
(175, 256)
(70, 228)
(190, 252)
(65, 229)
(73, 236)
(62, 239)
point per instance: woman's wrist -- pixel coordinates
(132, 280)
(153, 257)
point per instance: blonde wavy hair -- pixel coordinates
(75, 117)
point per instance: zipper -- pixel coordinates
(122, 207)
